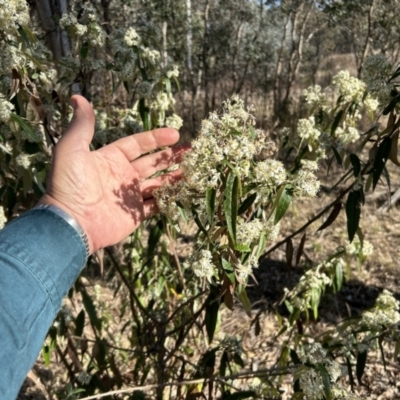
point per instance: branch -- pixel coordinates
(308, 223)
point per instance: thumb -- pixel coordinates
(80, 131)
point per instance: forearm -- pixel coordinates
(41, 256)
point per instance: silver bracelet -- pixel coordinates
(66, 217)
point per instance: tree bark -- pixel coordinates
(50, 12)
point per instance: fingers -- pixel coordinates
(149, 185)
(140, 143)
(148, 165)
(81, 128)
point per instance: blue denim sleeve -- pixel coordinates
(41, 256)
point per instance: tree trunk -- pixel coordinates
(50, 11)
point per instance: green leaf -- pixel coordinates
(247, 394)
(211, 317)
(350, 371)
(242, 295)
(223, 364)
(396, 350)
(154, 237)
(46, 355)
(353, 212)
(390, 107)
(228, 269)
(206, 364)
(84, 50)
(25, 127)
(144, 112)
(230, 204)
(167, 85)
(326, 381)
(355, 162)
(244, 248)
(336, 121)
(247, 203)
(360, 366)
(210, 204)
(332, 216)
(283, 203)
(90, 309)
(381, 157)
(261, 244)
(238, 360)
(337, 155)
(80, 323)
(338, 276)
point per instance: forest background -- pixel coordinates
(139, 321)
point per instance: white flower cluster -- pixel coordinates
(306, 295)
(173, 72)
(305, 182)
(131, 37)
(174, 121)
(3, 218)
(202, 265)
(385, 312)
(307, 131)
(13, 13)
(150, 55)
(270, 173)
(87, 25)
(350, 88)
(6, 109)
(362, 251)
(11, 58)
(347, 135)
(69, 21)
(249, 231)
(310, 379)
(314, 97)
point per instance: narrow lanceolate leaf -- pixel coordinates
(337, 156)
(91, 309)
(338, 276)
(353, 212)
(230, 204)
(247, 203)
(247, 394)
(84, 50)
(283, 204)
(332, 216)
(144, 112)
(350, 371)
(242, 295)
(300, 249)
(390, 107)
(336, 121)
(360, 366)
(393, 149)
(25, 127)
(289, 253)
(381, 157)
(210, 204)
(211, 318)
(326, 381)
(356, 163)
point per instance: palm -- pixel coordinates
(108, 191)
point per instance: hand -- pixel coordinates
(106, 190)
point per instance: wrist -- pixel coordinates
(72, 218)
